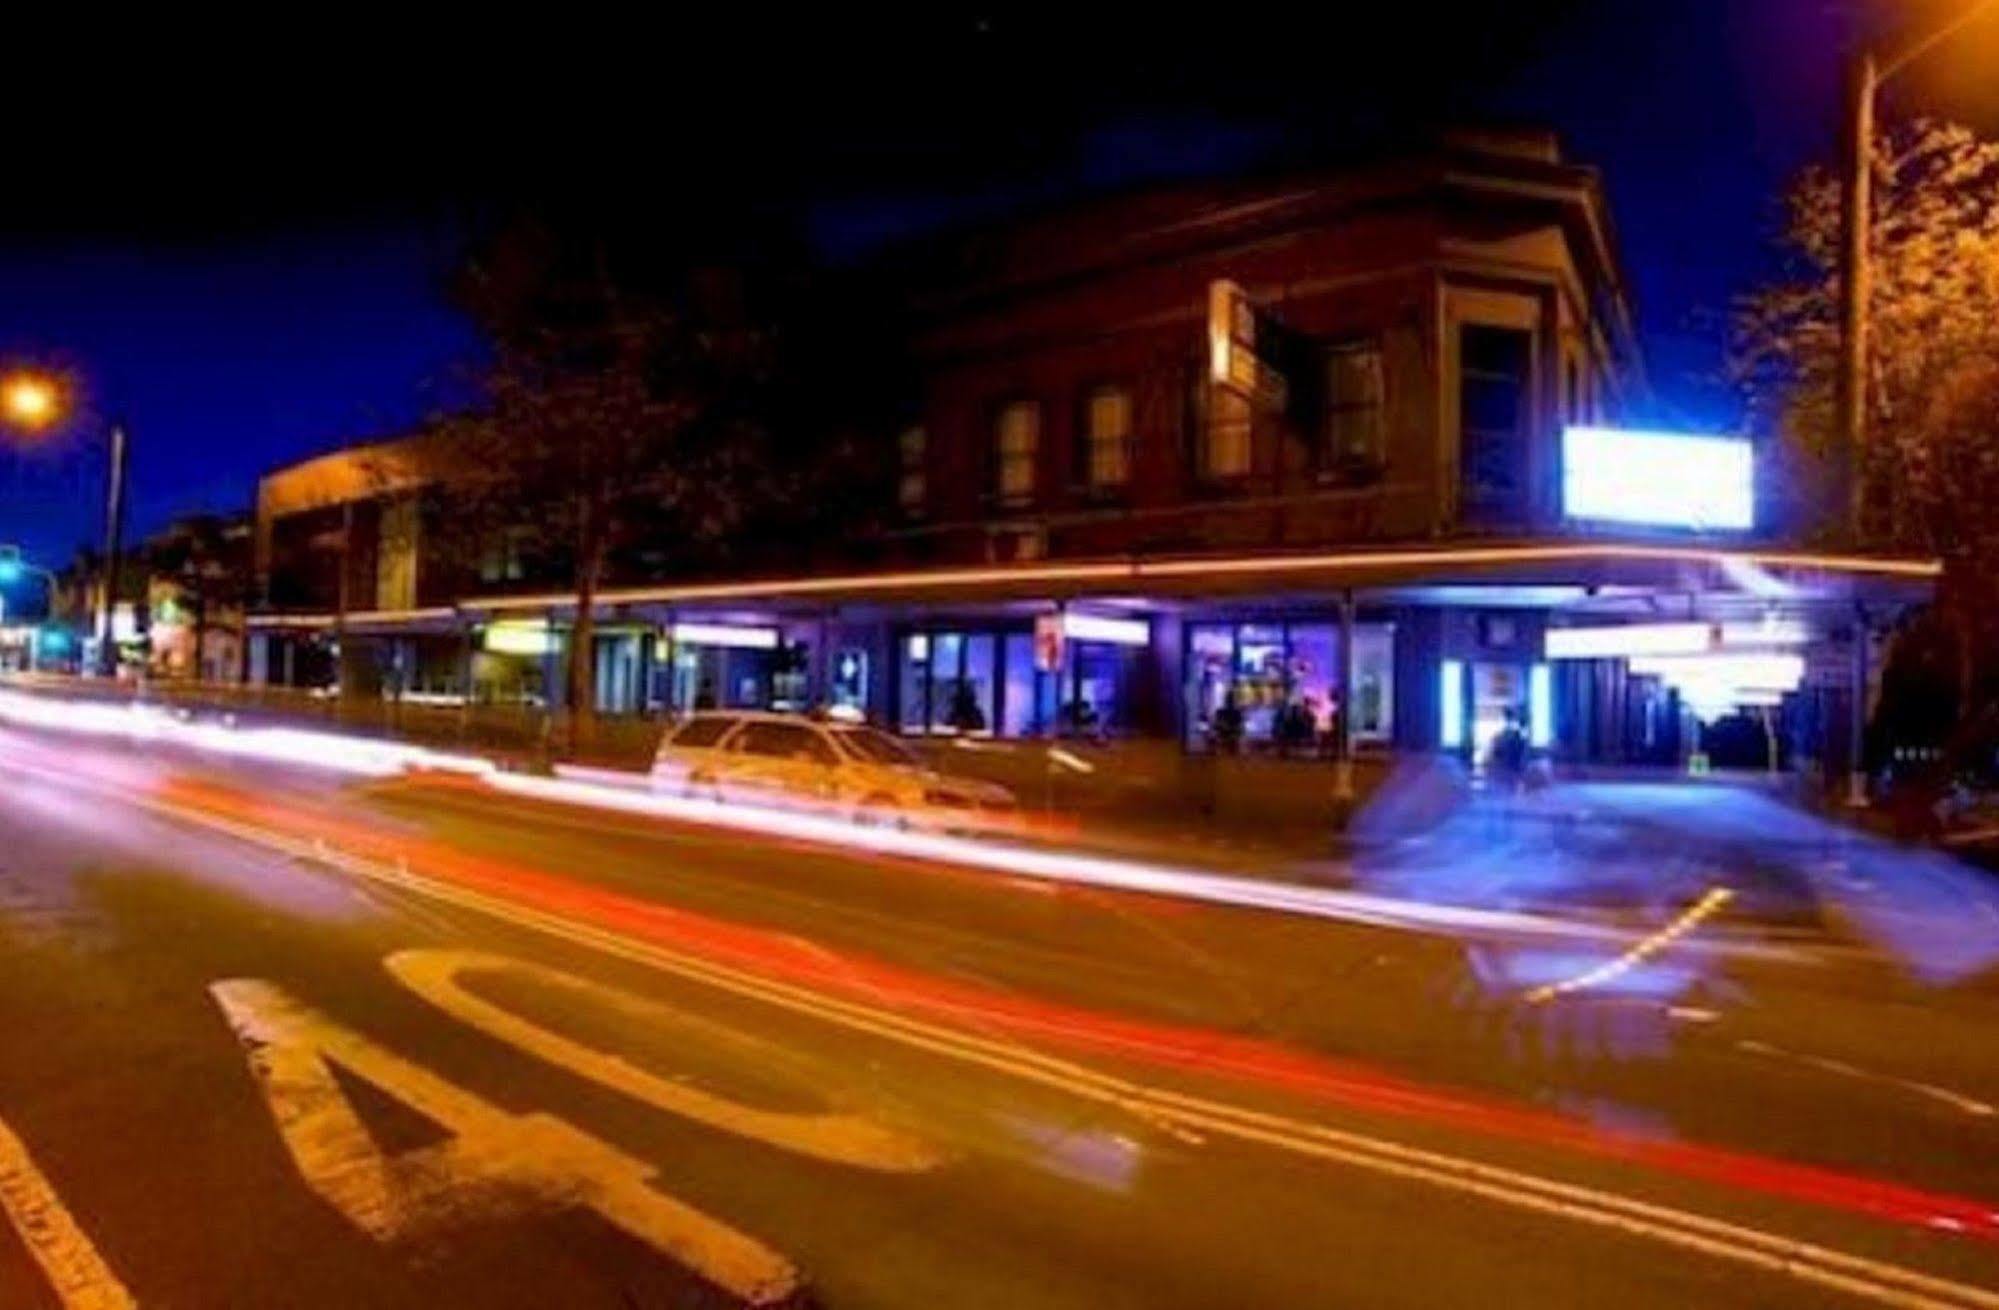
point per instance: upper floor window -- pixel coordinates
(1495, 375)
(913, 484)
(1016, 447)
(1224, 449)
(1107, 437)
(1354, 399)
(502, 555)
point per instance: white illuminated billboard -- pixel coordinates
(1658, 479)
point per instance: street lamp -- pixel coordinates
(1854, 271)
(31, 400)
(34, 401)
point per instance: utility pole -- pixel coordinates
(114, 539)
(1855, 270)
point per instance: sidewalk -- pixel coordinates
(1618, 850)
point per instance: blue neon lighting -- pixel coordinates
(1451, 706)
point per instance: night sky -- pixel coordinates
(246, 261)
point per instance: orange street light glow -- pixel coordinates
(31, 400)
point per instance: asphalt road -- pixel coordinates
(273, 1038)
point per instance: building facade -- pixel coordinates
(1337, 463)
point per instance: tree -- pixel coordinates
(628, 415)
(1931, 466)
(208, 559)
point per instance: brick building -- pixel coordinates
(1310, 463)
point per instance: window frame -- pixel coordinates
(913, 470)
(1334, 458)
(1000, 460)
(1086, 446)
(1205, 474)
(1516, 495)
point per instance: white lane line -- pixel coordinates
(497, 1164)
(1955, 1100)
(840, 1137)
(1877, 1281)
(81, 1279)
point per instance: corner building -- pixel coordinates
(1336, 464)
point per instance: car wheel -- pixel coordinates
(880, 811)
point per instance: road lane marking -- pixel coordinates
(81, 1279)
(1955, 1100)
(495, 1164)
(1640, 951)
(852, 1139)
(1878, 1281)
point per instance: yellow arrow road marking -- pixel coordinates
(81, 1279)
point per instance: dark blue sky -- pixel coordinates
(243, 303)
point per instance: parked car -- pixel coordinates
(794, 762)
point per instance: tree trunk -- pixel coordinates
(580, 680)
(199, 670)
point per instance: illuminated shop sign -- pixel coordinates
(722, 634)
(1095, 627)
(518, 638)
(1658, 479)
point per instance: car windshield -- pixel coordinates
(875, 747)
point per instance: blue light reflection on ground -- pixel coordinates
(1649, 848)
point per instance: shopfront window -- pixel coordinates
(850, 679)
(1022, 709)
(987, 682)
(1099, 688)
(949, 682)
(1374, 682)
(1277, 685)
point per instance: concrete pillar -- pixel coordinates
(819, 680)
(551, 665)
(467, 652)
(670, 658)
(1856, 739)
(1343, 788)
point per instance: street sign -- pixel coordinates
(1048, 642)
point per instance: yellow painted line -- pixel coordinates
(81, 1279)
(1685, 922)
(436, 975)
(1872, 1280)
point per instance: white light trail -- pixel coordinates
(592, 789)
(334, 752)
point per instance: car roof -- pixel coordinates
(755, 716)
